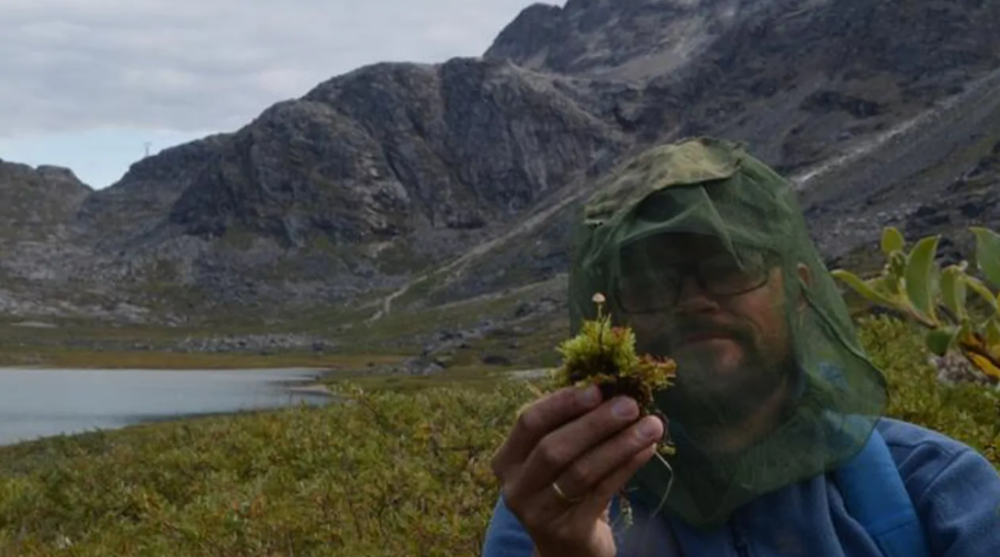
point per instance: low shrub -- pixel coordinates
(968, 412)
(388, 474)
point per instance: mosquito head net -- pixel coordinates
(703, 251)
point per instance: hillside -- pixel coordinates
(38, 203)
(934, 174)
(400, 184)
(874, 127)
(630, 39)
(365, 180)
(37, 229)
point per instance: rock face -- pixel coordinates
(933, 174)
(37, 232)
(394, 149)
(38, 203)
(630, 39)
(136, 205)
(409, 183)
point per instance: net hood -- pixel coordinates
(703, 250)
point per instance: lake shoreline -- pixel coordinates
(52, 401)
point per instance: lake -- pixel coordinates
(43, 402)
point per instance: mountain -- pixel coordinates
(38, 203)
(630, 39)
(405, 184)
(36, 231)
(367, 179)
(874, 126)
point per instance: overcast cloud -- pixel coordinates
(187, 65)
(91, 84)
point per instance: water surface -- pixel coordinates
(43, 402)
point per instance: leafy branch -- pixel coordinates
(913, 284)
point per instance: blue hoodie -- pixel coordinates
(954, 489)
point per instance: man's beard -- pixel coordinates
(707, 401)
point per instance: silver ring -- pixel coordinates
(562, 495)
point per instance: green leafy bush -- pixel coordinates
(913, 284)
(604, 355)
(965, 411)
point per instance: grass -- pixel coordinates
(480, 378)
(401, 470)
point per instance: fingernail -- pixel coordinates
(648, 428)
(590, 395)
(624, 408)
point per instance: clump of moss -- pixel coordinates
(605, 355)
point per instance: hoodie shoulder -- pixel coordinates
(955, 489)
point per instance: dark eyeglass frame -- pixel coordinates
(760, 269)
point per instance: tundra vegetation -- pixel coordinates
(402, 466)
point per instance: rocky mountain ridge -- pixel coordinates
(39, 203)
(400, 184)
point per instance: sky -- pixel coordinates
(93, 84)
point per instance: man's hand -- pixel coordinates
(571, 442)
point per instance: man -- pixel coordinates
(775, 414)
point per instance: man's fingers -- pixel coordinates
(595, 478)
(598, 499)
(613, 483)
(570, 443)
(538, 419)
(585, 474)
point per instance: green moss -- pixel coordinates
(604, 355)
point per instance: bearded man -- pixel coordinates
(776, 414)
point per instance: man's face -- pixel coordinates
(729, 334)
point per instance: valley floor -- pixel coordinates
(402, 469)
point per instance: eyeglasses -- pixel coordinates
(658, 287)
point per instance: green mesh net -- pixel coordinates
(702, 250)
